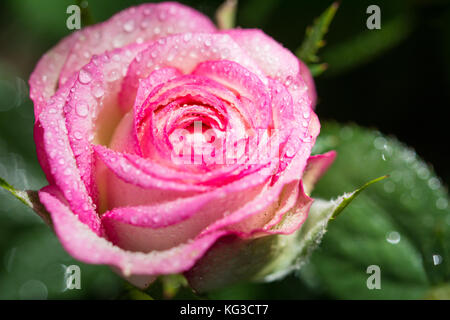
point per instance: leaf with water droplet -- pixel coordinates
(267, 258)
(402, 225)
(29, 198)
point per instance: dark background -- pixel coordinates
(395, 80)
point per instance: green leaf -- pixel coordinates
(317, 69)
(172, 284)
(268, 258)
(401, 225)
(29, 198)
(133, 293)
(315, 34)
(226, 14)
(346, 199)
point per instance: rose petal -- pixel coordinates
(44, 79)
(138, 24)
(62, 160)
(86, 246)
(90, 113)
(316, 167)
(184, 52)
(245, 84)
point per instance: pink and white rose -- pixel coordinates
(160, 135)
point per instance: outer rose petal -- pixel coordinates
(308, 78)
(316, 167)
(62, 160)
(92, 105)
(139, 24)
(43, 82)
(44, 79)
(272, 58)
(86, 246)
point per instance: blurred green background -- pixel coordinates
(394, 80)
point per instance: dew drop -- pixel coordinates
(113, 75)
(117, 43)
(162, 16)
(84, 76)
(187, 37)
(290, 152)
(82, 109)
(442, 203)
(97, 91)
(389, 186)
(437, 259)
(34, 290)
(128, 26)
(434, 183)
(78, 135)
(393, 237)
(346, 133)
(423, 172)
(380, 143)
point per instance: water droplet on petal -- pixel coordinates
(84, 76)
(113, 75)
(162, 16)
(97, 91)
(78, 135)
(290, 152)
(187, 37)
(128, 26)
(82, 109)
